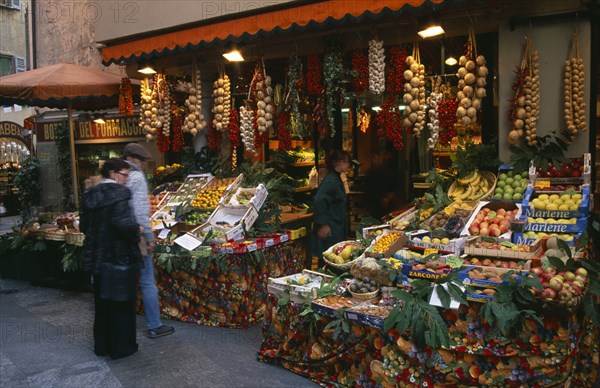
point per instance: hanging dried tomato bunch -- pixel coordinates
(177, 142)
(389, 123)
(360, 68)
(394, 81)
(283, 132)
(125, 97)
(234, 128)
(214, 138)
(447, 117)
(163, 142)
(314, 75)
(350, 119)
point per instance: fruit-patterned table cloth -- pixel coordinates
(228, 293)
(563, 349)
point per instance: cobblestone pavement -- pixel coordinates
(46, 341)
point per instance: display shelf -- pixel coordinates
(304, 189)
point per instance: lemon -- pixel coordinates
(543, 197)
(552, 206)
(565, 197)
(564, 207)
(576, 197)
(445, 240)
(540, 220)
(539, 204)
(552, 197)
(436, 241)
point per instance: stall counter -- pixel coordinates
(564, 350)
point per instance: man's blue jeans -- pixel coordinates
(150, 294)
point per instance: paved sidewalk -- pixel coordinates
(46, 341)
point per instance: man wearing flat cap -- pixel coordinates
(136, 156)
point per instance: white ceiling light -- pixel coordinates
(450, 61)
(431, 31)
(233, 56)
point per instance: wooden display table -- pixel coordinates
(564, 350)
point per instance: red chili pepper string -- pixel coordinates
(360, 67)
(394, 80)
(447, 116)
(260, 138)
(389, 123)
(234, 128)
(314, 75)
(283, 133)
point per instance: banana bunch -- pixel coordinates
(471, 187)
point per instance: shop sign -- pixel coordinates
(8, 128)
(123, 127)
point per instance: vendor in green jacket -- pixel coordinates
(330, 222)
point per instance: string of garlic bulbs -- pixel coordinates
(194, 118)
(264, 104)
(376, 66)
(146, 109)
(471, 82)
(574, 92)
(222, 107)
(532, 96)
(434, 122)
(414, 93)
(161, 105)
(246, 129)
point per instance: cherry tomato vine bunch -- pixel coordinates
(314, 75)
(394, 80)
(389, 123)
(360, 68)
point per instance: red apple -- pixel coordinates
(474, 230)
(565, 295)
(547, 276)
(495, 232)
(484, 224)
(559, 277)
(576, 289)
(555, 284)
(484, 231)
(581, 272)
(549, 294)
(537, 271)
(504, 228)
(551, 270)
(569, 276)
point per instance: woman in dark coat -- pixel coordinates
(331, 209)
(112, 254)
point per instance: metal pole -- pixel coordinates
(73, 161)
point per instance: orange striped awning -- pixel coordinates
(301, 16)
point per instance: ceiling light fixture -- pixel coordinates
(430, 26)
(146, 68)
(451, 61)
(233, 56)
(99, 119)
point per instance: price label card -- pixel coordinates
(269, 242)
(430, 251)
(283, 238)
(251, 247)
(542, 183)
(436, 301)
(164, 233)
(226, 250)
(454, 261)
(188, 241)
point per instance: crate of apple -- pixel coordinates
(488, 222)
(572, 169)
(564, 288)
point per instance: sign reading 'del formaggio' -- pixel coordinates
(114, 128)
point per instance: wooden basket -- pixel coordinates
(343, 266)
(367, 296)
(55, 234)
(488, 176)
(74, 238)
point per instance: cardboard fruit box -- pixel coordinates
(529, 210)
(455, 245)
(521, 238)
(298, 293)
(580, 225)
(330, 305)
(472, 249)
(368, 314)
(466, 276)
(492, 206)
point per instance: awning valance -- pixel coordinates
(264, 24)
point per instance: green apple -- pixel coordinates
(502, 177)
(517, 196)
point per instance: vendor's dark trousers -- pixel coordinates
(114, 328)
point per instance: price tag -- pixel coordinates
(542, 183)
(269, 242)
(251, 247)
(188, 242)
(430, 251)
(436, 301)
(454, 261)
(283, 238)
(226, 250)
(164, 233)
